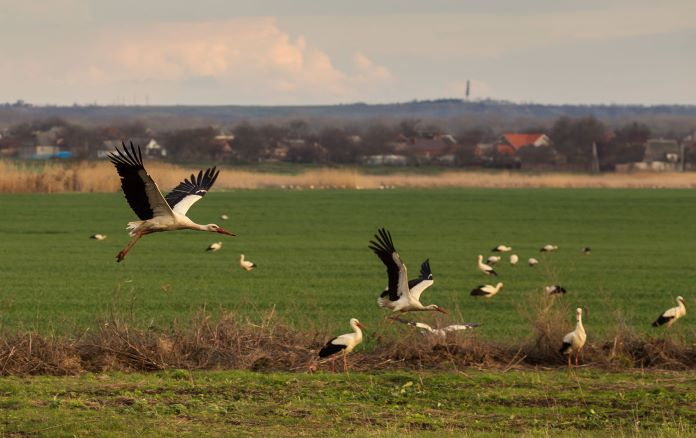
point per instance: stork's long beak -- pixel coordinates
(362, 326)
(224, 231)
(440, 309)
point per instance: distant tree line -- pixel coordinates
(298, 141)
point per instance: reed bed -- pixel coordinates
(100, 177)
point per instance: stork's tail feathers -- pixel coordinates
(133, 226)
(565, 348)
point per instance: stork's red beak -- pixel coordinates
(362, 326)
(440, 309)
(224, 231)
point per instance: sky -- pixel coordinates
(308, 52)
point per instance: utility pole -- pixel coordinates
(595, 158)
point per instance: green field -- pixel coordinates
(178, 403)
(314, 264)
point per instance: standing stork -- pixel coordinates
(670, 315)
(98, 236)
(247, 265)
(486, 269)
(214, 247)
(575, 340)
(400, 295)
(440, 333)
(344, 343)
(554, 289)
(532, 262)
(514, 259)
(486, 290)
(548, 248)
(492, 260)
(502, 248)
(156, 212)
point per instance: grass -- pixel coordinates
(179, 403)
(314, 265)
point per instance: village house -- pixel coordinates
(510, 143)
(148, 146)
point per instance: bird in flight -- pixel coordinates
(401, 295)
(156, 212)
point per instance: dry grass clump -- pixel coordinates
(50, 177)
(268, 344)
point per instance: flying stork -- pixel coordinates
(247, 265)
(486, 269)
(98, 236)
(502, 248)
(440, 333)
(215, 246)
(486, 290)
(344, 343)
(400, 295)
(156, 212)
(575, 340)
(671, 315)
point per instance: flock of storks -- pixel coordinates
(167, 213)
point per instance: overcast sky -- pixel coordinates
(323, 52)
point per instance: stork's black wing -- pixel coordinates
(183, 196)
(383, 246)
(141, 192)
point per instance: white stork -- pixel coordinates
(548, 248)
(486, 269)
(587, 250)
(344, 343)
(98, 236)
(575, 340)
(555, 289)
(440, 333)
(486, 290)
(215, 246)
(400, 295)
(502, 248)
(671, 315)
(492, 260)
(514, 259)
(247, 265)
(224, 217)
(156, 212)
(532, 262)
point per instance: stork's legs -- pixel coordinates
(124, 252)
(570, 365)
(345, 363)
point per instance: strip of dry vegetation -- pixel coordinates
(268, 344)
(100, 177)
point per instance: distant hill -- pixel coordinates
(501, 114)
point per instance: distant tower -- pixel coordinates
(468, 88)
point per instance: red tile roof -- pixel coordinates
(516, 141)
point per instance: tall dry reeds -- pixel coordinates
(99, 176)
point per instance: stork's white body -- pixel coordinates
(487, 290)
(486, 269)
(669, 316)
(247, 265)
(514, 259)
(548, 248)
(492, 260)
(532, 262)
(98, 236)
(502, 248)
(575, 340)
